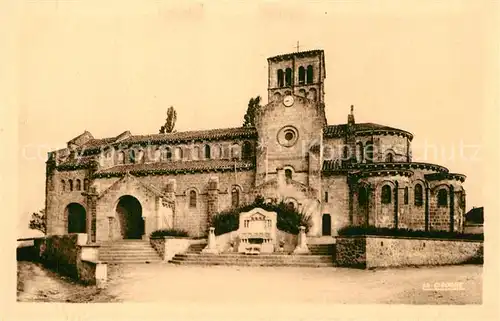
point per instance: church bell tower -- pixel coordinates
(299, 73)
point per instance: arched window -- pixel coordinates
(121, 158)
(280, 77)
(131, 156)
(85, 184)
(360, 152)
(369, 152)
(302, 75)
(389, 158)
(386, 196)
(246, 150)
(345, 153)
(195, 153)
(288, 174)
(78, 185)
(178, 153)
(442, 198)
(235, 197)
(192, 199)
(166, 154)
(362, 196)
(63, 185)
(290, 206)
(288, 77)
(326, 197)
(418, 195)
(207, 152)
(309, 74)
(405, 196)
(70, 182)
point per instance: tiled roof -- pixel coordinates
(292, 54)
(331, 165)
(177, 137)
(177, 167)
(475, 215)
(336, 131)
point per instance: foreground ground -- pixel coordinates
(205, 285)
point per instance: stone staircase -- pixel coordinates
(196, 248)
(128, 251)
(238, 259)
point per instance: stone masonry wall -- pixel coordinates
(379, 251)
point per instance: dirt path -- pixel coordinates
(253, 285)
(37, 284)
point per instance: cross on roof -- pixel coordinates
(298, 47)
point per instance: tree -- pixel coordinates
(253, 105)
(39, 221)
(169, 121)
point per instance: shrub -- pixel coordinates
(169, 232)
(384, 231)
(288, 219)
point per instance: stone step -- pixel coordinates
(260, 256)
(330, 261)
(148, 250)
(263, 263)
(133, 261)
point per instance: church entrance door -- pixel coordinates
(129, 213)
(327, 224)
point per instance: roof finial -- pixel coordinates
(298, 47)
(352, 109)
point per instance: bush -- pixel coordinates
(169, 232)
(384, 231)
(288, 220)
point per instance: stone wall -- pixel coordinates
(350, 251)
(167, 247)
(69, 255)
(380, 251)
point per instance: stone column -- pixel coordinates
(212, 199)
(301, 242)
(211, 247)
(92, 213)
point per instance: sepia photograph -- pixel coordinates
(269, 153)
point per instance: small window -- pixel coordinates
(280, 77)
(369, 152)
(166, 154)
(70, 185)
(85, 184)
(386, 196)
(302, 75)
(361, 152)
(207, 152)
(63, 185)
(178, 153)
(288, 174)
(290, 206)
(389, 158)
(246, 150)
(442, 198)
(235, 197)
(288, 77)
(405, 196)
(192, 199)
(310, 74)
(78, 185)
(131, 156)
(326, 197)
(418, 195)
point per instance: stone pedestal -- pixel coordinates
(302, 242)
(211, 247)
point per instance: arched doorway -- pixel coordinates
(129, 214)
(77, 218)
(326, 223)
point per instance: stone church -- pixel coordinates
(360, 174)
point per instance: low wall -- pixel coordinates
(168, 246)
(69, 255)
(224, 241)
(381, 251)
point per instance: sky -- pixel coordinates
(111, 66)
